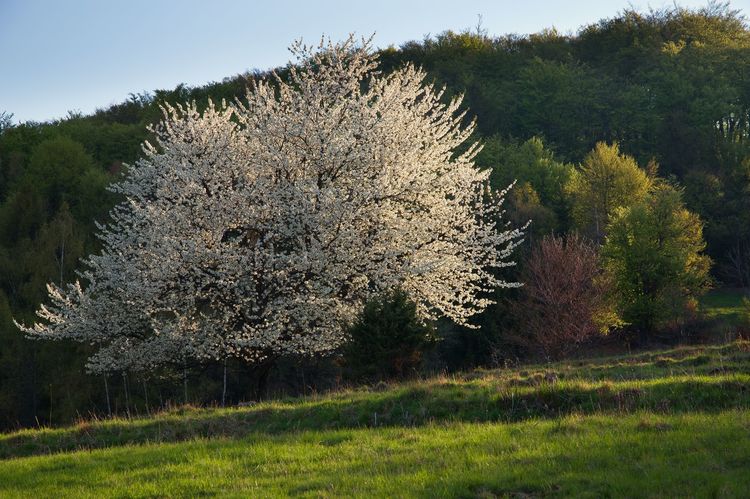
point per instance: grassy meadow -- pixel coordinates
(657, 424)
(725, 305)
(284, 231)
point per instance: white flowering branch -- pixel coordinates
(260, 228)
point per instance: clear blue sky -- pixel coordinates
(79, 55)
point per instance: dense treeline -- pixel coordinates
(661, 97)
(669, 86)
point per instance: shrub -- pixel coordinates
(388, 339)
(565, 299)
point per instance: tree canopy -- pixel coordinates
(654, 252)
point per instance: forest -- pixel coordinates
(629, 146)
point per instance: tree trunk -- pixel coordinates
(259, 384)
(49, 422)
(184, 381)
(62, 260)
(145, 395)
(224, 387)
(106, 392)
(127, 397)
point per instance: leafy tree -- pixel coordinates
(524, 206)
(605, 182)
(559, 100)
(42, 240)
(6, 121)
(541, 179)
(60, 243)
(61, 170)
(387, 339)
(654, 253)
(258, 230)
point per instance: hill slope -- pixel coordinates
(670, 423)
(671, 85)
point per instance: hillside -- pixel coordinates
(672, 422)
(671, 87)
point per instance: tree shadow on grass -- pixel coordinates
(409, 406)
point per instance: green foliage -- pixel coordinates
(670, 84)
(654, 252)
(54, 193)
(558, 99)
(6, 121)
(61, 171)
(388, 339)
(724, 204)
(539, 193)
(524, 205)
(605, 182)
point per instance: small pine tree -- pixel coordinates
(387, 339)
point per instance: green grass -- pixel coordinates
(724, 304)
(664, 424)
(636, 455)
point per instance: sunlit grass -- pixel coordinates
(673, 422)
(724, 304)
(635, 455)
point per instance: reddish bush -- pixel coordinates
(565, 299)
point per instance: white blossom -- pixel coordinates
(260, 228)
